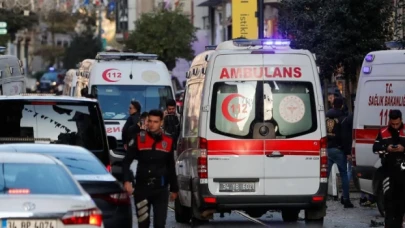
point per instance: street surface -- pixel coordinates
(337, 216)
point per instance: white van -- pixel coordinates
(380, 89)
(260, 141)
(12, 79)
(116, 78)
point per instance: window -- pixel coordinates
(38, 178)
(51, 122)
(51, 76)
(115, 100)
(81, 163)
(238, 106)
(191, 112)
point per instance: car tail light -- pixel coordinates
(108, 167)
(115, 198)
(84, 217)
(18, 191)
(324, 161)
(202, 162)
(354, 150)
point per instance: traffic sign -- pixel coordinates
(3, 24)
(3, 31)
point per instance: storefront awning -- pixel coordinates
(211, 3)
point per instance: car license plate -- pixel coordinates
(29, 223)
(236, 187)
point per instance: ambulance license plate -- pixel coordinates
(236, 187)
(29, 224)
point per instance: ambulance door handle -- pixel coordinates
(275, 154)
(180, 164)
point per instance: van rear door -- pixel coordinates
(235, 156)
(292, 161)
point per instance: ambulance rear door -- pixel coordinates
(235, 150)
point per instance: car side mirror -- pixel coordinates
(112, 142)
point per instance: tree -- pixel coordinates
(339, 32)
(57, 22)
(84, 45)
(169, 34)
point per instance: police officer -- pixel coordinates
(391, 141)
(155, 172)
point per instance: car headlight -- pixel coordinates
(53, 83)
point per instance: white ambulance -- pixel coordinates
(260, 141)
(380, 89)
(116, 78)
(70, 83)
(83, 74)
(12, 78)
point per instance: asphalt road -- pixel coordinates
(337, 216)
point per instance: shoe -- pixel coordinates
(363, 200)
(348, 204)
(342, 201)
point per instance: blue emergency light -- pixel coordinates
(51, 69)
(369, 58)
(367, 69)
(210, 47)
(262, 42)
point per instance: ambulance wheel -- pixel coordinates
(182, 213)
(380, 200)
(314, 222)
(315, 216)
(196, 218)
(290, 215)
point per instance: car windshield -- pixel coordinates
(51, 122)
(51, 76)
(115, 99)
(28, 178)
(81, 163)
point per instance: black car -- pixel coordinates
(108, 194)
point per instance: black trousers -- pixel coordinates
(147, 197)
(394, 197)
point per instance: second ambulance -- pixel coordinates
(261, 136)
(116, 78)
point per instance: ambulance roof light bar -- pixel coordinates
(274, 43)
(124, 56)
(37, 94)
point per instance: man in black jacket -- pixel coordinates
(155, 172)
(133, 119)
(390, 143)
(336, 153)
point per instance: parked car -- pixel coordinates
(108, 194)
(39, 191)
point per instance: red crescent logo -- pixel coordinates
(225, 105)
(111, 76)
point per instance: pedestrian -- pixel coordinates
(336, 153)
(171, 122)
(134, 115)
(391, 141)
(155, 172)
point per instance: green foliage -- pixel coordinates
(84, 45)
(169, 34)
(339, 32)
(16, 21)
(60, 21)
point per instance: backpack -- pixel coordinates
(171, 125)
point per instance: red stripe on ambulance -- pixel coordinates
(365, 136)
(263, 147)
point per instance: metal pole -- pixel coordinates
(260, 14)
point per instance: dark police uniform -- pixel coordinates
(393, 183)
(155, 172)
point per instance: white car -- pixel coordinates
(39, 191)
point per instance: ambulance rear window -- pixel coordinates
(237, 106)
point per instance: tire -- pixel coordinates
(290, 215)
(380, 200)
(182, 213)
(314, 222)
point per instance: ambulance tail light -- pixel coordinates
(354, 149)
(324, 161)
(202, 162)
